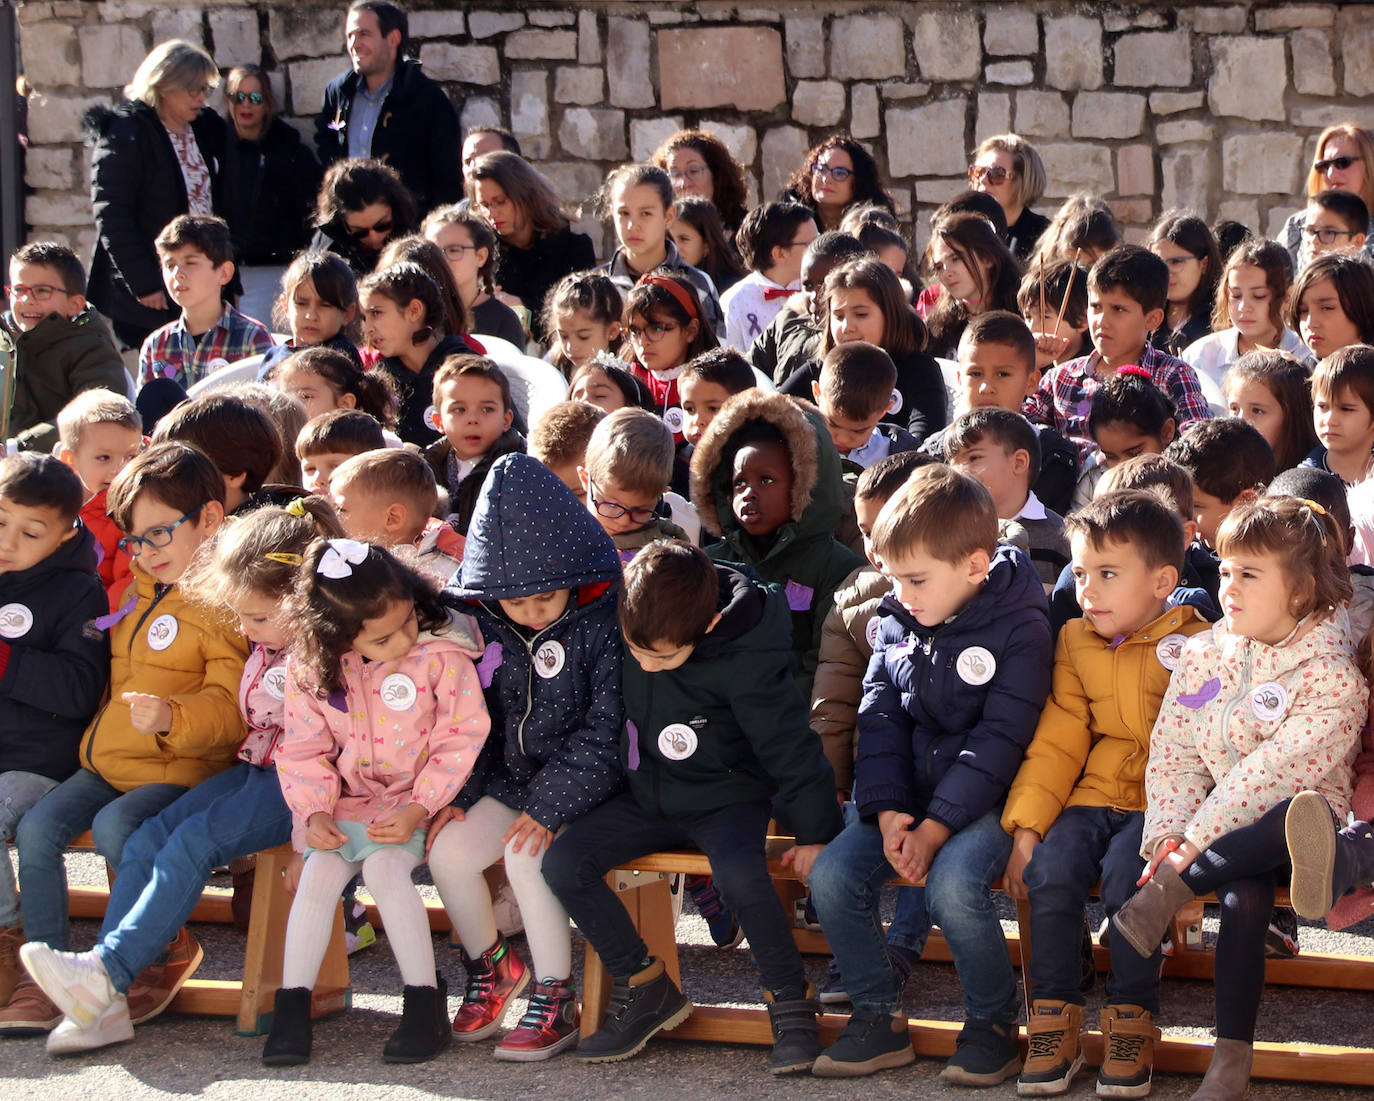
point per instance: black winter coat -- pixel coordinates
(417, 390)
(273, 196)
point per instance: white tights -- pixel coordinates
(462, 851)
(387, 873)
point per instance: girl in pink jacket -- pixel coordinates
(384, 721)
(1267, 704)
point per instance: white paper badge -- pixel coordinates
(976, 665)
(15, 621)
(398, 692)
(673, 419)
(162, 632)
(549, 658)
(896, 406)
(1269, 701)
(215, 364)
(871, 632)
(1169, 650)
(274, 681)
(677, 741)
(431, 418)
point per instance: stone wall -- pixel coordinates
(1151, 104)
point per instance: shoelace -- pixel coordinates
(1125, 1047)
(541, 1011)
(1045, 1044)
(480, 985)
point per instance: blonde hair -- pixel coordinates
(631, 449)
(171, 66)
(96, 406)
(1304, 538)
(1031, 180)
(396, 475)
(562, 434)
(939, 510)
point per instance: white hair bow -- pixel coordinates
(340, 557)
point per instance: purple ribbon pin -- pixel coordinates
(105, 622)
(632, 757)
(486, 668)
(1203, 696)
(799, 597)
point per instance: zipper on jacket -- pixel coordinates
(1231, 753)
(159, 591)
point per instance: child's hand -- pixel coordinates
(155, 301)
(801, 859)
(322, 833)
(149, 714)
(442, 819)
(525, 829)
(895, 827)
(1023, 845)
(397, 827)
(1047, 344)
(920, 851)
(291, 874)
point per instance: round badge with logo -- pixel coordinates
(549, 659)
(976, 665)
(398, 692)
(1169, 650)
(431, 418)
(673, 419)
(1269, 701)
(162, 632)
(274, 681)
(216, 364)
(871, 632)
(896, 405)
(15, 621)
(677, 741)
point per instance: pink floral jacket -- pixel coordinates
(403, 731)
(262, 701)
(1245, 725)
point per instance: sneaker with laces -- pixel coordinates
(1053, 1050)
(113, 1026)
(29, 1011)
(873, 1040)
(358, 931)
(725, 930)
(1128, 1051)
(550, 1024)
(985, 1054)
(77, 982)
(833, 991)
(157, 984)
(1281, 939)
(495, 978)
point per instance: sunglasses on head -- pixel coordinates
(248, 97)
(1340, 164)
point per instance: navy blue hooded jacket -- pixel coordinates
(948, 711)
(553, 695)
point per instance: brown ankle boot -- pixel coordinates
(1144, 920)
(1228, 1076)
(11, 937)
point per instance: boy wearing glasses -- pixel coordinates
(172, 719)
(1335, 221)
(62, 346)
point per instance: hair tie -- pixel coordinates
(340, 557)
(286, 558)
(673, 287)
(1138, 371)
(1318, 509)
(296, 507)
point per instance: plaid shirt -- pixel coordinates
(1065, 394)
(172, 352)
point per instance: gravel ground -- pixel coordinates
(181, 1055)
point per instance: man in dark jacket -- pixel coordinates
(387, 108)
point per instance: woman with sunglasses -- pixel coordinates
(274, 188)
(1344, 162)
(837, 174)
(361, 206)
(1008, 168)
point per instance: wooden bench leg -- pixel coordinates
(1186, 928)
(650, 905)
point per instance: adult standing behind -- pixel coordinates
(1008, 168)
(1344, 162)
(837, 174)
(386, 108)
(161, 153)
(274, 189)
(361, 206)
(698, 163)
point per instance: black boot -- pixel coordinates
(646, 1004)
(1327, 861)
(796, 1039)
(423, 1031)
(288, 1044)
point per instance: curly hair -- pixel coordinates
(728, 193)
(868, 185)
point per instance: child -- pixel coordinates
(197, 257)
(541, 579)
(100, 434)
(1000, 449)
(62, 346)
(388, 497)
(607, 383)
(790, 341)
(663, 319)
(1185, 243)
(1058, 339)
(1335, 221)
(331, 439)
(583, 315)
(1343, 408)
(1076, 808)
(976, 272)
(1230, 464)
(559, 440)
(638, 200)
(403, 320)
(375, 651)
(473, 406)
(1273, 392)
(55, 665)
(1248, 314)
(1128, 416)
(699, 235)
(712, 732)
(319, 304)
(707, 383)
(1084, 227)
(172, 718)
(233, 814)
(853, 394)
(239, 439)
(772, 241)
(1332, 304)
(324, 379)
(469, 247)
(1126, 297)
(629, 461)
(1221, 776)
(414, 249)
(966, 621)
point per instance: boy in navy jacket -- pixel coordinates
(959, 673)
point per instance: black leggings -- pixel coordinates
(1242, 868)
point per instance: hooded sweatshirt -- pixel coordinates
(554, 694)
(804, 558)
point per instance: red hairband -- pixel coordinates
(673, 287)
(1139, 372)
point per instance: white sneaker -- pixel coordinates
(77, 982)
(111, 1027)
(507, 912)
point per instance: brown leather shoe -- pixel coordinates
(29, 1011)
(11, 937)
(152, 992)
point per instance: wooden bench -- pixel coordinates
(643, 887)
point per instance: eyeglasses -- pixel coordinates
(992, 173)
(200, 91)
(613, 510)
(1340, 164)
(456, 252)
(248, 97)
(1176, 262)
(695, 172)
(36, 292)
(157, 537)
(383, 227)
(839, 175)
(653, 332)
(1326, 235)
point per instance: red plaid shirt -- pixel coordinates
(172, 352)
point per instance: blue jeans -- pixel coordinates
(19, 791)
(168, 859)
(1086, 844)
(845, 884)
(83, 801)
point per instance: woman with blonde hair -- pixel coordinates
(1344, 161)
(1008, 168)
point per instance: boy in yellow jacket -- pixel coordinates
(172, 719)
(1076, 807)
